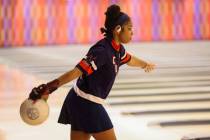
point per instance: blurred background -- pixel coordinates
(48, 22)
(42, 39)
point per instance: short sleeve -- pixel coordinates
(125, 57)
(95, 58)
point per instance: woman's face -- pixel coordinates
(126, 33)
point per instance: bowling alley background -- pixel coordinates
(51, 22)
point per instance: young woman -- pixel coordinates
(96, 72)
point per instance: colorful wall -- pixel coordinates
(42, 22)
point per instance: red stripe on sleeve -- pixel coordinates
(128, 56)
(86, 67)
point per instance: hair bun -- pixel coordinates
(113, 11)
(103, 30)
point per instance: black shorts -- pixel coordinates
(84, 115)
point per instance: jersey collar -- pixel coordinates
(115, 46)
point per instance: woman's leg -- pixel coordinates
(105, 135)
(79, 135)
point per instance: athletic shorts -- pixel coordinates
(84, 115)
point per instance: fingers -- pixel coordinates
(149, 67)
(42, 88)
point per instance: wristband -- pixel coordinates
(53, 85)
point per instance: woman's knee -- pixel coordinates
(79, 135)
(105, 135)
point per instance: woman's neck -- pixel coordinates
(116, 39)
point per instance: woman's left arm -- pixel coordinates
(136, 62)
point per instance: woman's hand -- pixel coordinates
(39, 92)
(149, 67)
(43, 90)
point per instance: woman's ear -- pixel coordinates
(118, 28)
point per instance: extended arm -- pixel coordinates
(136, 62)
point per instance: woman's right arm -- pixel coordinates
(69, 76)
(45, 89)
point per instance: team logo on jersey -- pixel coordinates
(90, 59)
(115, 64)
(93, 65)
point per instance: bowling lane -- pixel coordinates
(170, 103)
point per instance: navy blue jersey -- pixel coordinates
(100, 67)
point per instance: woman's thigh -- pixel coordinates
(105, 135)
(79, 135)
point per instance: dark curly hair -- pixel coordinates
(114, 17)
